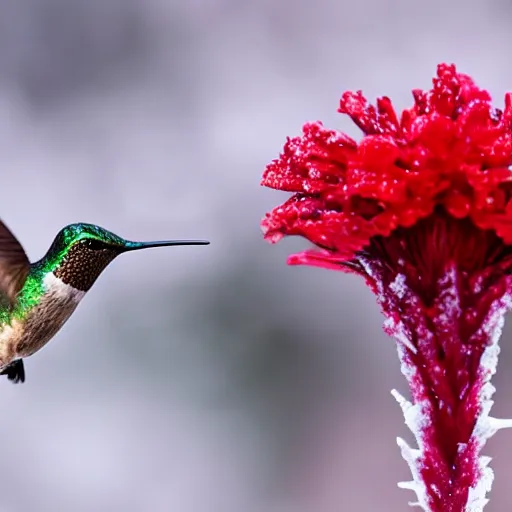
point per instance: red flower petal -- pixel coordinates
(421, 207)
(451, 149)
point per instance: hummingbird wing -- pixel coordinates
(15, 371)
(14, 264)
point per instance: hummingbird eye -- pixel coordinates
(93, 245)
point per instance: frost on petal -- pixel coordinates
(459, 465)
(452, 149)
(421, 208)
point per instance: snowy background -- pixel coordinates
(210, 379)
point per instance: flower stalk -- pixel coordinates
(421, 208)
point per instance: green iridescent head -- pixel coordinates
(80, 232)
(86, 235)
(80, 252)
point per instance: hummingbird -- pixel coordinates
(36, 299)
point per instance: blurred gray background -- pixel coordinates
(210, 379)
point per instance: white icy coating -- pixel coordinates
(416, 416)
(398, 286)
(415, 419)
(399, 333)
(399, 289)
(370, 273)
(486, 425)
(449, 298)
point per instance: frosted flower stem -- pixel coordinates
(418, 415)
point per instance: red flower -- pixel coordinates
(422, 208)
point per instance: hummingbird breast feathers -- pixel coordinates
(26, 336)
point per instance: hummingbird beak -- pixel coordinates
(135, 246)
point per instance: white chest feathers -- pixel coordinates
(60, 290)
